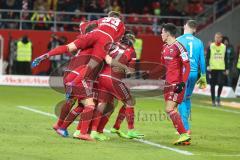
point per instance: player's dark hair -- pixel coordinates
(114, 14)
(128, 38)
(170, 28)
(192, 24)
(90, 27)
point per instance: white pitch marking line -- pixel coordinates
(139, 140)
(201, 106)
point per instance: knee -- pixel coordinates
(101, 107)
(131, 102)
(169, 109)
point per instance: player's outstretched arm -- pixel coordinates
(56, 51)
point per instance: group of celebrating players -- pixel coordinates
(94, 79)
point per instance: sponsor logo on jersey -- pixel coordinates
(168, 57)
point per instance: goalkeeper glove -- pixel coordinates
(179, 87)
(202, 82)
(38, 60)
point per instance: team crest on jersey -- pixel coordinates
(171, 50)
(184, 56)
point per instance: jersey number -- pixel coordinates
(191, 49)
(113, 21)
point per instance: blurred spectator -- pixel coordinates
(57, 60)
(26, 6)
(147, 19)
(12, 4)
(156, 8)
(77, 18)
(23, 56)
(12, 16)
(93, 8)
(180, 6)
(52, 4)
(115, 6)
(68, 5)
(217, 66)
(238, 61)
(229, 58)
(138, 45)
(40, 17)
(40, 5)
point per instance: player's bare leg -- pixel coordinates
(171, 107)
(86, 118)
(127, 111)
(69, 119)
(64, 112)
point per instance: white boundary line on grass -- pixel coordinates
(200, 106)
(139, 140)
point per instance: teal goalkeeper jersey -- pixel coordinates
(195, 50)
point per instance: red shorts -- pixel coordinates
(169, 95)
(109, 88)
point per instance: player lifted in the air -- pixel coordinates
(110, 29)
(195, 49)
(175, 58)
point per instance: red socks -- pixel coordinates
(130, 117)
(96, 119)
(103, 122)
(120, 117)
(177, 121)
(64, 112)
(72, 116)
(86, 118)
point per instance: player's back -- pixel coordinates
(112, 26)
(123, 54)
(194, 47)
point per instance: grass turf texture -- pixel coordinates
(25, 135)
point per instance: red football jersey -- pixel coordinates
(80, 59)
(112, 26)
(123, 54)
(175, 57)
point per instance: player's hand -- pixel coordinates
(69, 89)
(38, 60)
(129, 70)
(145, 74)
(208, 68)
(226, 72)
(110, 47)
(202, 82)
(108, 59)
(179, 87)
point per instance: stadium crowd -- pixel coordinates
(131, 7)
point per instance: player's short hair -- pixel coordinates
(128, 38)
(90, 27)
(219, 33)
(170, 28)
(114, 14)
(192, 24)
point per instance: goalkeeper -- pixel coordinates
(195, 50)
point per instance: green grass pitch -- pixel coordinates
(27, 135)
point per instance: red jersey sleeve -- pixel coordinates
(132, 58)
(162, 57)
(185, 61)
(121, 31)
